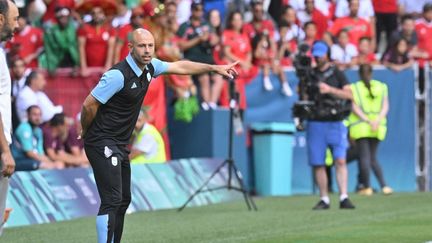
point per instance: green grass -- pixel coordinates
(403, 217)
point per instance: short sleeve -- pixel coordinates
(160, 67)
(24, 135)
(110, 83)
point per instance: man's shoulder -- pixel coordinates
(22, 129)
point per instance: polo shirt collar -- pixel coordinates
(134, 66)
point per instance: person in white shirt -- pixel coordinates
(344, 54)
(321, 5)
(8, 24)
(366, 10)
(32, 94)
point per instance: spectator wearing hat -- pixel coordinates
(326, 129)
(96, 41)
(49, 18)
(196, 46)
(61, 47)
(26, 44)
(357, 27)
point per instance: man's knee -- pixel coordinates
(340, 162)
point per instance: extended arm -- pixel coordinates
(191, 68)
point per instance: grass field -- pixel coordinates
(402, 217)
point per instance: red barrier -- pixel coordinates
(70, 91)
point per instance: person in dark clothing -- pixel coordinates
(108, 117)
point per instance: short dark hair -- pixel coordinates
(427, 7)
(32, 75)
(308, 23)
(4, 7)
(57, 120)
(30, 108)
(406, 17)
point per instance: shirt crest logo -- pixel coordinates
(114, 161)
(134, 86)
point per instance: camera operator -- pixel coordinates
(325, 128)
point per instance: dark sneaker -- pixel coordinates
(321, 205)
(346, 204)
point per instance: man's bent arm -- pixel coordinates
(88, 113)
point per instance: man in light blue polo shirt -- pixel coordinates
(108, 118)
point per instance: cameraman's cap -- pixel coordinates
(319, 49)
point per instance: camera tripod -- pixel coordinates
(228, 162)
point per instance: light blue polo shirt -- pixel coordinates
(112, 81)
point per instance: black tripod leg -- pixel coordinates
(248, 199)
(203, 185)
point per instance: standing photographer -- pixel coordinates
(325, 128)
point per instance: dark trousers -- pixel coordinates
(385, 22)
(112, 172)
(367, 149)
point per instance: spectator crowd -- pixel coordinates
(263, 36)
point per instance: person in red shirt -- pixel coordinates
(236, 47)
(310, 13)
(261, 33)
(96, 42)
(124, 32)
(357, 27)
(259, 24)
(424, 34)
(365, 52)
(423, 29)
(26, 44)
(386, 14)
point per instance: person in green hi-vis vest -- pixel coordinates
(368, 126)
(148, 145)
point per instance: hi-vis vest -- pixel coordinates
(370, 107)
(160, 156)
